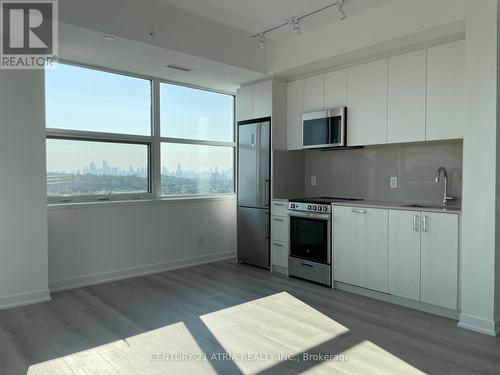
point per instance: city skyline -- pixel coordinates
(106, 169)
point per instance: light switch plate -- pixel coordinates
(394, 182)
(313, 180)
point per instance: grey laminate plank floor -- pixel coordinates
(225, 318)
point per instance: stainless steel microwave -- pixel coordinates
(324, 129)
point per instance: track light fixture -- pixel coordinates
(295, 25)
(294, 22)
(262, 40)
(341, 10)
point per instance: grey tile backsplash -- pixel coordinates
(365, 173)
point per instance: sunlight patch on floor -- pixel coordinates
(369, 358)
(278, 326)
(278, 333)
(162, 350)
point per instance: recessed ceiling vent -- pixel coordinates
(178, 67)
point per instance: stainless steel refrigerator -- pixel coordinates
(254, 191)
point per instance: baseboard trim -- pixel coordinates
(23, 299)
(481, 325)
(100, 278)
(416, 305)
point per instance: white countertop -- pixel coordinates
(450, 209)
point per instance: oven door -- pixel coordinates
(310, 236)
(324, 129)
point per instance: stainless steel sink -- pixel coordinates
(432, 206)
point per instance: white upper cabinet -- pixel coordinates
(254, 101)
(263, 99)
(336, 89)
(367, 102)
(439, 259)
(406, 98)
(295, 102)
(244, 103)
(314, 93)
(445, 91)
(413, 97)
(404, 254)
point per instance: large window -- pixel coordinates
(92, 100)
(196, 114)
(196, 169)
(90, 168)
(198, 145)
(110, 138)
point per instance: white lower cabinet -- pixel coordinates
(280, 228)
(360, 247)
(423, 257)
(280, 235)
(279, 256)
(410, 254)
(404, 254)
(439, 259)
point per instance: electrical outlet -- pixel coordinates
(200, 240)
(313, 180)
(394, 182)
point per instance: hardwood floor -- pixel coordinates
(232, 319)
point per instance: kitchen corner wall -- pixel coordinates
(365, 173)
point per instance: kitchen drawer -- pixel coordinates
(279, 257)
(279, 208)
(280, 228)
(317, 272)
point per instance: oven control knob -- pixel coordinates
(308, 206)
(325, 208)
(292, 205)
(314, 208)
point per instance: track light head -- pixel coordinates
(296, 25)
(262, 40)
(341, 12)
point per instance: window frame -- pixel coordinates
(154, 142)
(189, 141)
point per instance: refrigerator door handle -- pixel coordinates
(266, 192)
(267, 225)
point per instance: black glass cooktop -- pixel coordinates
(324, 200)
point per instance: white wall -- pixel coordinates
(479, 182)
(23, 212)
(99, 242)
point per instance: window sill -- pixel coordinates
(142, 202)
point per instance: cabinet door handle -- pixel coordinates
(415, 224)
(359, 211)
(279, 204)
(307, 265)
(424, 223)
(278, 219)
(278, 244)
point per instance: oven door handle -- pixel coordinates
(307, 215)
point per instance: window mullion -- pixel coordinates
(156, 147)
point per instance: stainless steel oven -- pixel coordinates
(310, 241)
(324, 129)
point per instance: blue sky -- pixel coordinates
(91, 100)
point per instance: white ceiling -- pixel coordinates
(254, 16)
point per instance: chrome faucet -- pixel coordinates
(446, 198)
